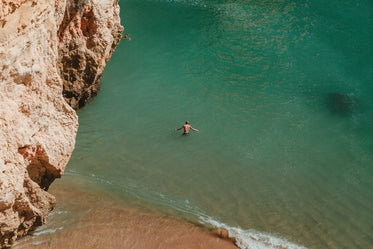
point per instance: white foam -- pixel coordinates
(36, 243)
(47, 231)
(252, 239)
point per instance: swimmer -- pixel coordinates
(126, 37)
(186, 128)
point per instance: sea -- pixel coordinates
(282, 95)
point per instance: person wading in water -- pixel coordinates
(186, 128)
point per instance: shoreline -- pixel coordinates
(86, 218)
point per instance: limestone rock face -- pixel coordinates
(87, 37)
(44, 44)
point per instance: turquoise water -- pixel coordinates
(281, 93)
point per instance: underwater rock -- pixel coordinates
(339, 103)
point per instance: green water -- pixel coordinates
(281, 92)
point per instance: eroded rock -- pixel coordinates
(224, 234)
(87, 37)
(41, 49)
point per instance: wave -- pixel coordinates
(252, 239)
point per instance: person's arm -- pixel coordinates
(193, 129)
(179, 128)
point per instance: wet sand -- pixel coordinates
(87, 219)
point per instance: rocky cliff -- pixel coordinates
(52, 54)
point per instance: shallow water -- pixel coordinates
(281, 93)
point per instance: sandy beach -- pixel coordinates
(99, 221)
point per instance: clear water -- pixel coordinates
(281, 92)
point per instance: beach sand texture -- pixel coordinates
(102, 222)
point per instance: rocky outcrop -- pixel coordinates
(224, 234)
(44, 45)
(87, 37)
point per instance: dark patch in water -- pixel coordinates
(340, 104)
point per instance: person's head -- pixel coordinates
(187, 122)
